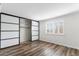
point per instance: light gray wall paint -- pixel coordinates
(71, 31)
(0, 7)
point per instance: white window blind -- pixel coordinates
(55, 27)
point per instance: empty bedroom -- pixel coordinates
(39, 29)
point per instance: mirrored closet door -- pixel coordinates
(35, 30)
(9, 31)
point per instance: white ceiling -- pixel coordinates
(39, 11)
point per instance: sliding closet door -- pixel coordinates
(35, 30)
(25, 31)
(9, 30)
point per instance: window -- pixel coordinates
(55, 27)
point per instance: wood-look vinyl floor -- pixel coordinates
(39, 48)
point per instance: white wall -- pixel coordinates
(71, 35)
(0, 8)
(72, 30)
